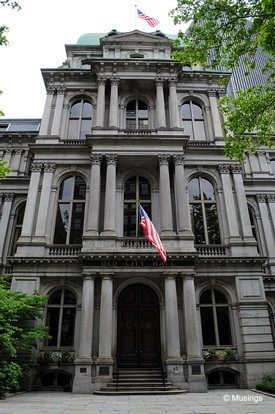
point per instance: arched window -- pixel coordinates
(215, 321)
(19, 217)
(80, 119)
(70, 211)
(61, 311)
(136, 190)
(203, 210)
(137, 115)
(193, 120)
(222, 378)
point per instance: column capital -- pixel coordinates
(8, 197)
(261, 198)
(164, 159)
(36, 166)
(172, 81)
(224, 168)
(159, 81)
(170, 275)
(111, 159)
(49, 167)
(212, 92)
(179, 159)
(19, 151)
(237, 168)
(114, 80)
(89, 275)
(188, 276)
(61, 90)
(106, 276)
(101, 80)
(270, 198)
(50, 90)
(96, 159)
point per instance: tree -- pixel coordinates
(18, 333)
(224, 32)
(4, 169)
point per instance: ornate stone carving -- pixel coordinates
(224, 168)
(159, 81)
(101, 80)
(212, 92)
(19, 151)
(172, 81)
(36, 166)
(237, 168)
(111, 159)
(50, 90)
(114, 80)
(179, 159)
(8, 197)
(164, 159)
(261, 198)
(270, 198)
(96, 159)
(49, 167)
(61, 90)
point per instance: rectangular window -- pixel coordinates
(77, 223)
(207, 323)
(223, 325)
(67, 330)
(53, 322)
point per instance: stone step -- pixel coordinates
(138, 388)
(139, 384)
(137, 392)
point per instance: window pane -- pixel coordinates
(67, 330)
(193, 189)
(20, 215)
(52, 323)
(131, 106)
(61, 226)
(87, 110)
(144, 189)
(214, 378)
(272, 166)
(66, 187)
(79, 188)
(75, 110)
(207, 324)
(197, 223)
(143, 123)
(220, 297)
(197, 111)
(77, 223)
(142, 105)
(187, 127)
(130, 124)
(69, 298)
(73, 129)
(206, 297)
(207, 189)
(130, 223)
(199, 130)
(185, 111)
(130, 189)
(85, 128)
(223, 325)
(212, 224)
(55, 298)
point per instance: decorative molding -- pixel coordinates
(111, 159)
(114, 80)
(96, 159)
(270, 198)
(236, 168)
(8, 197)
(159, 81)
(224, 168)
(101, 80)
(179, 159)
(164, 159)
(50, 90)
(212, 92)
(36, 166)
(61, 90)
(172, 81)
(261, 198)
(49, 167)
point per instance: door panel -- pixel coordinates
(138, 327)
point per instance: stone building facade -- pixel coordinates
(124, 124)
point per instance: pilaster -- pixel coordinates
(110, 193)
(94, 198)
(160, 106)
(165, 196)
(113, 116)
(173, 104)
(100, 108)
(58, 111)
(4, 222)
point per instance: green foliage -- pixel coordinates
(228, 354)
(3, 28)
(4, 169)
(231, 30)
(18, 331)
(267, 385)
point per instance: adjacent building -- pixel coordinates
(125, 124)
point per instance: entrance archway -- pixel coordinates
(138, 334)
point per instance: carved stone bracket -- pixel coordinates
(50, 90)
(212, 92)
(159, 81)
(101, 80)
(61, 90)
(172, 81)
(164, 159)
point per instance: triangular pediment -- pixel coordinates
(135, 36)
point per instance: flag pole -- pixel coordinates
(135, 16)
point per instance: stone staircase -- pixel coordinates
(136, 381)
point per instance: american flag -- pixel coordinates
(150, 20)
(151, 233)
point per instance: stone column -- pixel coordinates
(7, 156)
(31, 204)
(173, 104)
(216, 120)
(110, 196)
(171, 317)
(230, 209)
(17, 160)
(100, 109)
(44, 202)
(4, 222)
(242, 203)
(165, 195)
(58, 111)
(271, 203)
(267, 225)
(190, 318)
(94, 199)
(160, 107)
(45, 123)
(105, 322)
(183, 214)
(113, 115)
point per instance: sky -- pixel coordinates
(38, 32)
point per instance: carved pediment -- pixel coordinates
(135, 36)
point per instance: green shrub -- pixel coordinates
(10, 375)
(266, 387)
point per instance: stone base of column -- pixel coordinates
(108, 233)
(175, 372)
(196, 376)
(104, 368)
(168, 233)
(83, 376)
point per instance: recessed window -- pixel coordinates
(61, 310)
(215, 321)
(137, 115)
(19, 217)
(70, 211)
(136, 190)
(193, 120)
(222, 378)
(203, 211)
(80, 119)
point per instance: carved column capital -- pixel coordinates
(261, 198)
(19, 151)
(111, 159)
(172, 81)
(114, 80)
(159, 81)
(49, 167)
(8, 196)
(224, 168)
(212, 92)
(61, 90)
(270, 198)
(96, 159)
(50, 90)
(179, 159)
(164, 159)
(237, 168)
(36, 166)
(101, 80)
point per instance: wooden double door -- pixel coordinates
(138, 327)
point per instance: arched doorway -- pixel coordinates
(138, 327)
